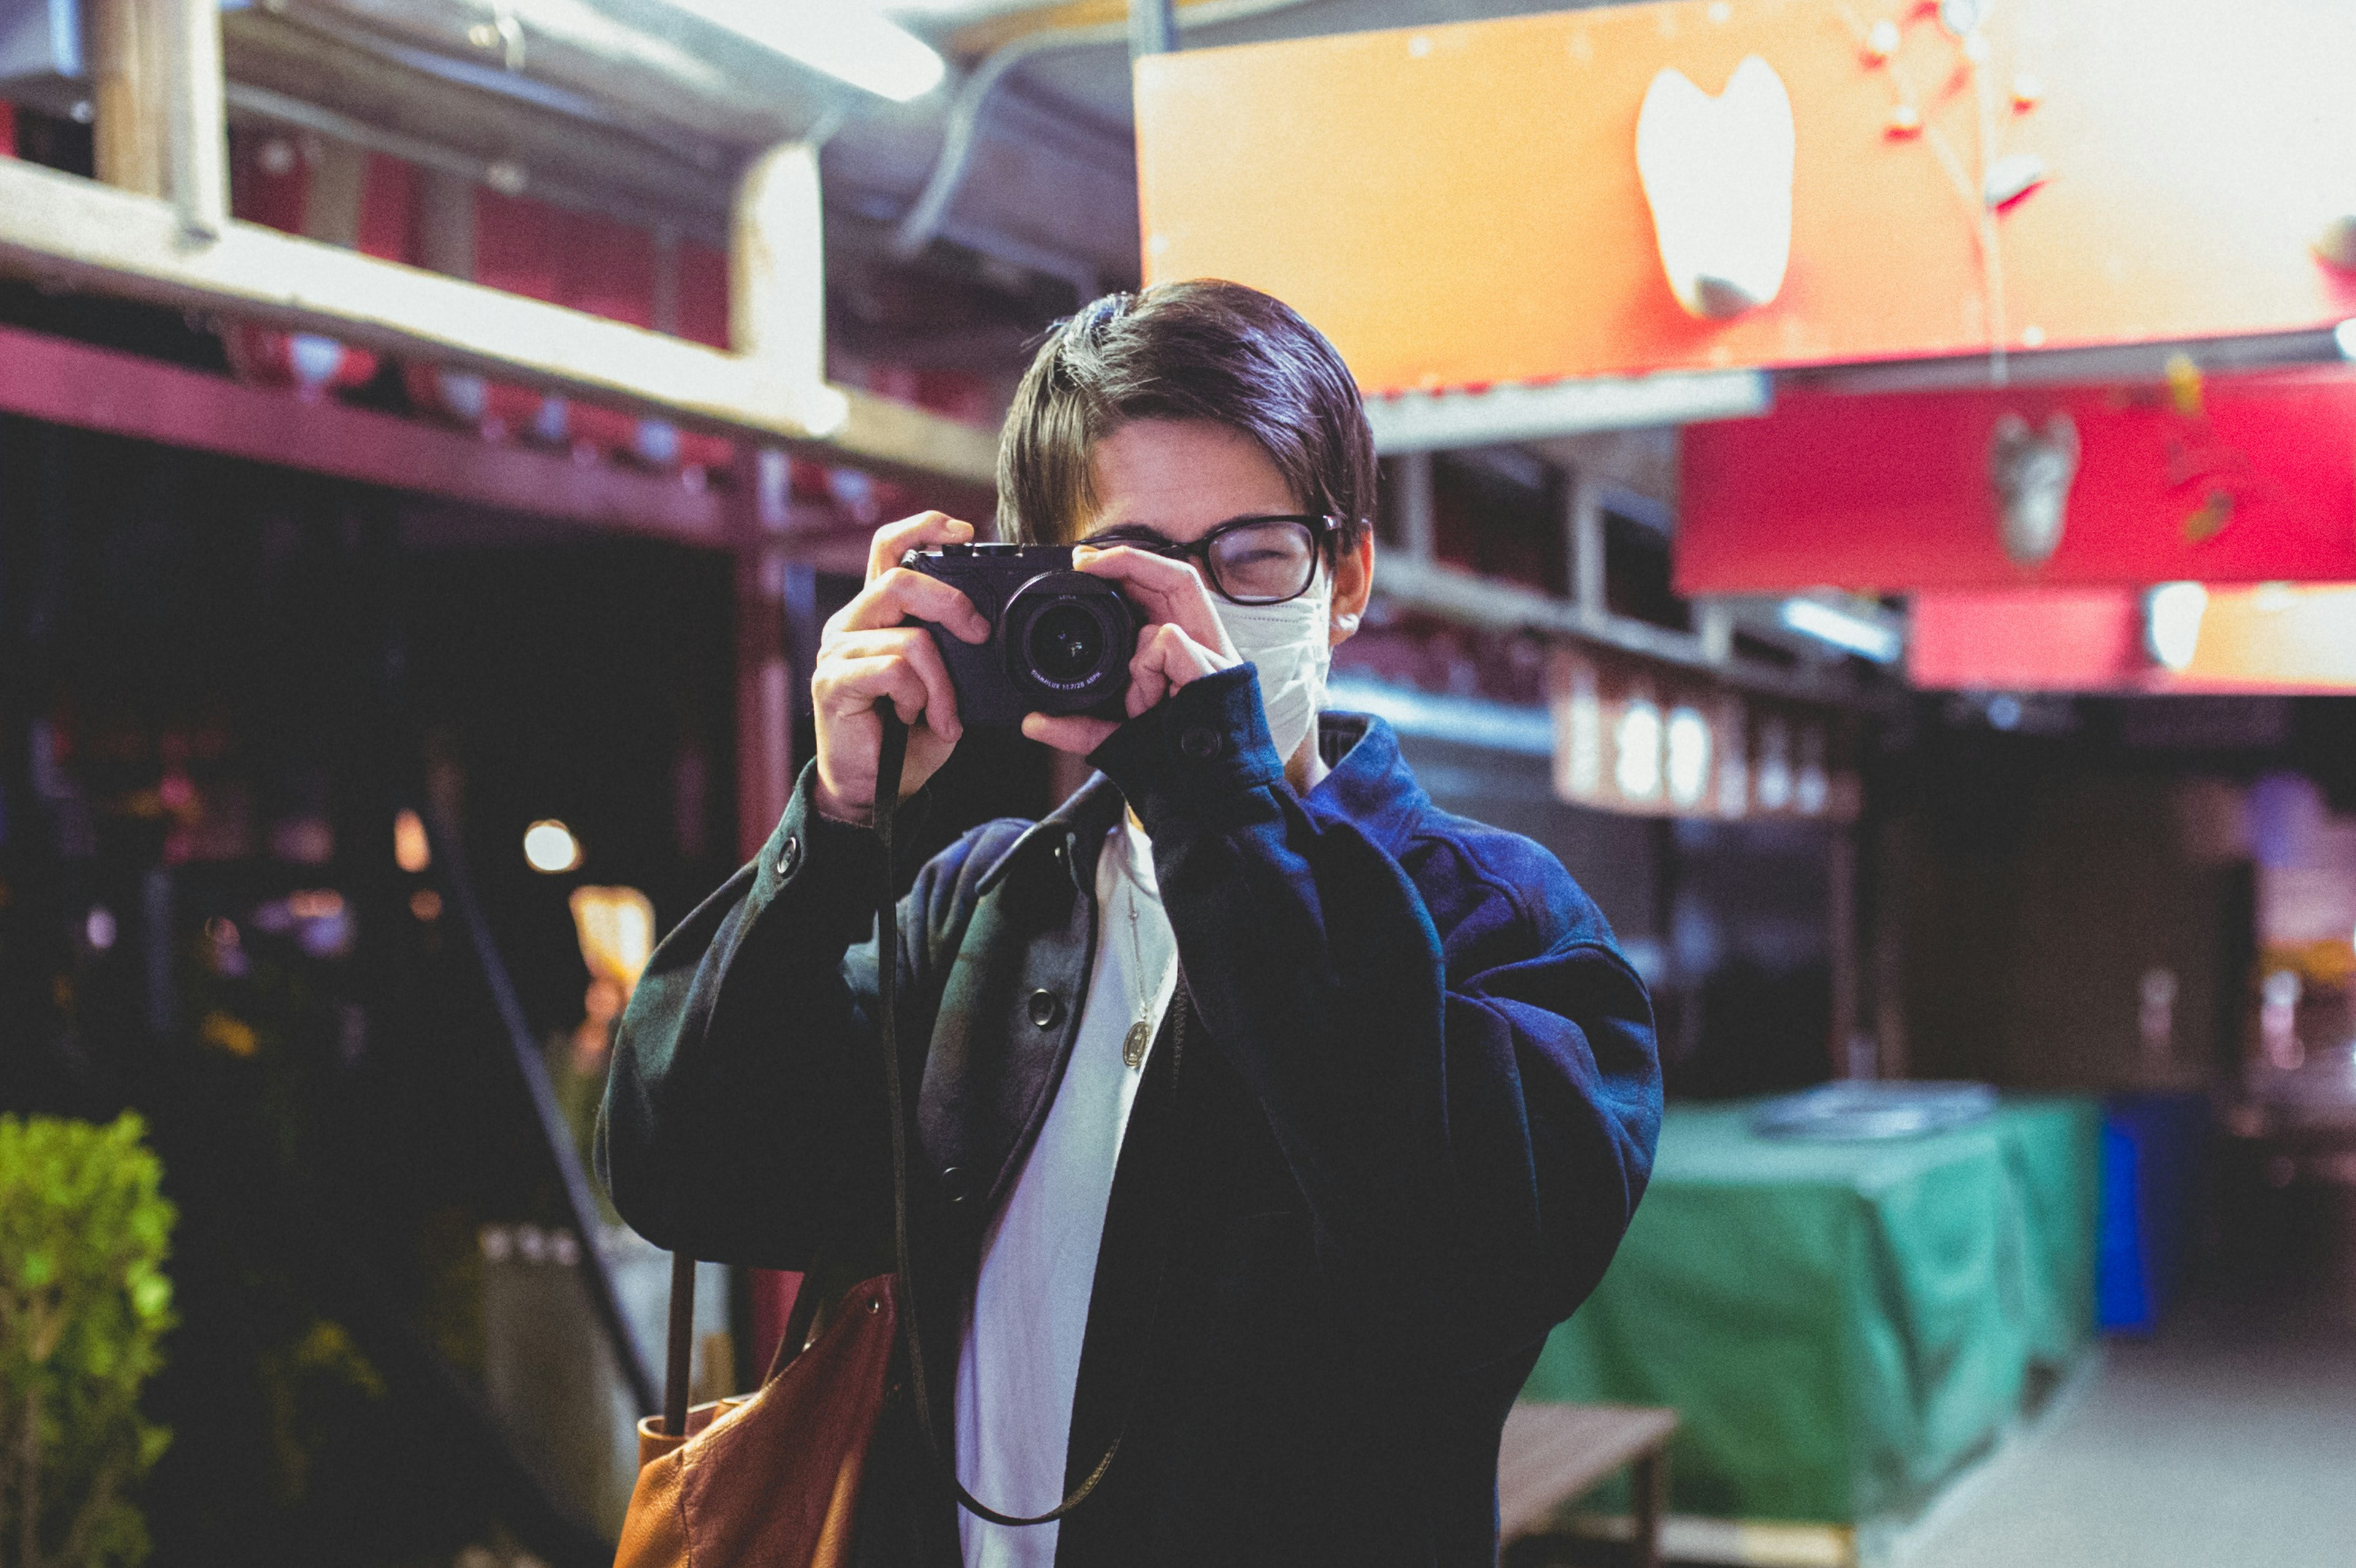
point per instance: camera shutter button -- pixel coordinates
(1200, 742)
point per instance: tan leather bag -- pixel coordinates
(772, 1479)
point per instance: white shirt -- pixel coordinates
(1020, 1358)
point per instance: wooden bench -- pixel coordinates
(1553, 1453)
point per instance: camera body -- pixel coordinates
(1060, 640)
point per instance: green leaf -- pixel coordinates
(152, 1295)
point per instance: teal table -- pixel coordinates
(1841, 1326)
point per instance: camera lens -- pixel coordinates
(1066, 644)
(1067, 641)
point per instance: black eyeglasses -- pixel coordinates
(1247, 561)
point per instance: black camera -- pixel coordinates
(1060, 640)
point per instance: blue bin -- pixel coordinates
(2152, 1150)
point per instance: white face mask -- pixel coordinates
(1291, 645)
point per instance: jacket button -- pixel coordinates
(954, 1183)
(1046, 1009)
(1200, 744)
(789, 859)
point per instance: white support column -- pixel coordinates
(198, 129)
(776, 265)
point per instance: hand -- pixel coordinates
(1182, 641)
(866, 654)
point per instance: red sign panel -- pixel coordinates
(2244, 480)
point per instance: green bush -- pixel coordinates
(83, 1310)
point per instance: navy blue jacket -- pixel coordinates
(1414, 1109)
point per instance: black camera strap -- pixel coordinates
(891, 757)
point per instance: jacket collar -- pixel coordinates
(1367, 785)
(1076, 828)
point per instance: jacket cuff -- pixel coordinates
(1204, 747)
(836, 864)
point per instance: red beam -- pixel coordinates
(70, 383)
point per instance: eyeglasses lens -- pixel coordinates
(1263, 563)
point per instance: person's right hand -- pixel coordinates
(866, 654)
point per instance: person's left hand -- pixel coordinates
(1181, 640)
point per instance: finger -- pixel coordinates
(894, 540)
(901, 594)
(1176, 659)
(1072, 733)
(1167, 591)
(915, 646)
(857, 684)
(1147, 684)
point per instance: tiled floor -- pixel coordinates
(2228, 1440)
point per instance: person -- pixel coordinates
(1269, 1116)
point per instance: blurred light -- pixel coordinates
(1772, 776)
(98, 928)
(426, 904)
(314, 903)
(548, 846)
(2344, 337)
(846, 39)
(2004, 712)
(616, 928)
(1688, 756)
(1850, 633)
(1637, 770)
(412, 851)
(2172, 622)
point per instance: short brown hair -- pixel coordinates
(1195, 351)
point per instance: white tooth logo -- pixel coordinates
(1719, 174)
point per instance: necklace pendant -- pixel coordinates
(1133, 1048)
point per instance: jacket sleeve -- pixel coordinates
(1471, 1120)
(744, 1119)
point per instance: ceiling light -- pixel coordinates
(841, 38)
(2343, 337)
(1851, 633)
(548, 846)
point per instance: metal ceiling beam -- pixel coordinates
(1496, 416)
(64, 230)
(1472, 600)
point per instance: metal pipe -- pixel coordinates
(922, 222)
(248, 102)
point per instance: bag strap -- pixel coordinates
(891, 756)
(676, 1384)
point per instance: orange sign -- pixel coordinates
(1462, 205)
